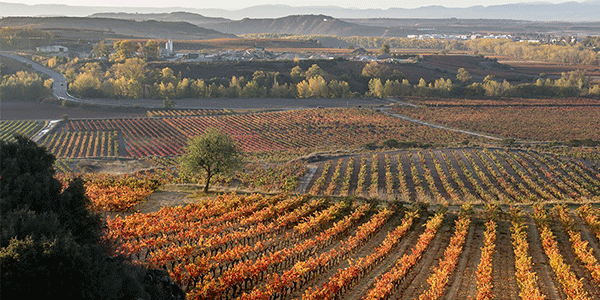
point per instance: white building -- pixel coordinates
(54, 48)
(169, 47)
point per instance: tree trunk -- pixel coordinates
(208, 175)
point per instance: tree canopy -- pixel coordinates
(50, 241)
(213, 153)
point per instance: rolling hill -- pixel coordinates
(123, 28)
(178, 16)
(298, 24)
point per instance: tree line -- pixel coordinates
(584, 52)
(12, 38)
(24, 85)
(571, 84)
(560, 50)
(135, 79)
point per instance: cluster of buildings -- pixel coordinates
(462, 37)
(53, 49)
(259, 53)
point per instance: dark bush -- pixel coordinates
(50, 242)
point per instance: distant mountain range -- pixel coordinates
(380, 27)
(567, 11)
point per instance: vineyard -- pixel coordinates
(457, 175)
(297, 131)
(116, 193)
(188, 112)
(23, 127)
(533, 120)
(301, 247)
(444, 220)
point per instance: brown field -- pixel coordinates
(30, 110)
(550, 122)
(241, 44)
(553, 70)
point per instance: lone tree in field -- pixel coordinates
(212, 152)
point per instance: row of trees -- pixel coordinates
(585, 52)
(570, 84)
(134, 79)
(12, 38)
(121, 50)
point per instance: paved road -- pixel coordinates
(59, 89)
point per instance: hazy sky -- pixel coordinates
(236, 4)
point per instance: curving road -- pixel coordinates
(59, 89)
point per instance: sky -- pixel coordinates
(237, 4)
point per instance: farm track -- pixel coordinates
(306, 180)
(504, 282)
(359, 290)
(587, 235)
(415, 282)
(315, 176)
(463, 283)
(406, 118)
(547, 280)
(437, 181)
